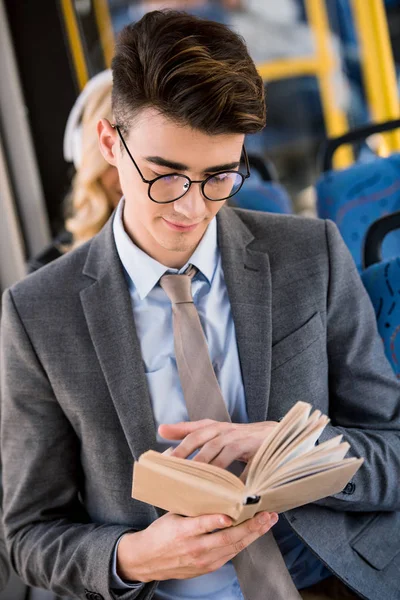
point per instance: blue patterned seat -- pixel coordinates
(356, 197)
(382, 282)
(267, 196)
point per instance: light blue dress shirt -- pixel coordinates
(152, 313)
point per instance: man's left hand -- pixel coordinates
(219, 443)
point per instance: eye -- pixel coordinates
(219, 178)
(170, 178)
(166, 176)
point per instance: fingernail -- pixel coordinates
(274, 519)
(169, 451)
(224, 521)
(263, 518)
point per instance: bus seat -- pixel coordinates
(356, 197)
(264, 196)
(382, 281)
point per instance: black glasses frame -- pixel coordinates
(202, 182)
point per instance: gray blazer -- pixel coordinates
(76, 410)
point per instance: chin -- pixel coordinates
(180, 243)
(183, 246)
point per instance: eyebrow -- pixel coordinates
(177, 166)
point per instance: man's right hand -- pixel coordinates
(175, 547)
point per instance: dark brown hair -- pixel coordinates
(195, 72)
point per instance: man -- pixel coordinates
(90, 375)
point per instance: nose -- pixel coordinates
(192, 204)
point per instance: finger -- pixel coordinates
(198, 438)
(260, 523)
(240, 444)
(231, 442)
(210, 451)
(233, 540)
(237, 450)
(219, 547)
(205, 524)
(221, 453)
(177, 431)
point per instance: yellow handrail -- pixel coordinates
(75, 43)
(105, 28)
(323, 66)
(335, 117)
(378, 66)
(290, 67)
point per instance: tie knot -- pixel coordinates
(179, 287)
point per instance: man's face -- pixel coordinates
(168, 232)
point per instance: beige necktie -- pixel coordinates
(260, 568)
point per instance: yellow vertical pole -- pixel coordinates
(106, 32)
(335, 118)
(75, 43)
(378, 64)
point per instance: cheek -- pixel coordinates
(140, 208)
(214, 207)
(127, 181)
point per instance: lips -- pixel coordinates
(183, 227)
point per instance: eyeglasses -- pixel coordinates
(169, 188)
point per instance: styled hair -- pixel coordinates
(88, 204)
(193, 71)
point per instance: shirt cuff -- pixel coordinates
(116, 582)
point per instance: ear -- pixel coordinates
(108, 141)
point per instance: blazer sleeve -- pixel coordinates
(51, 541)
(364, 402)
(4, 565)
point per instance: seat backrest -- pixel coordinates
(264, 196)
(356, 197)
(382, 281)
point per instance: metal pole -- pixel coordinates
(18, 148)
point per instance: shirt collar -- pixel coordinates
(144, 272)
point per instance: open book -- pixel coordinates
(287, 471)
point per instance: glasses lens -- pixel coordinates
(170, 187)
(223, 185)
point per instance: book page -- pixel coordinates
(181, 493)
(300, 440)
(300, 473)
(195, 469)
(297, 445)
(324, 454)
(309, 489)
(293, 421)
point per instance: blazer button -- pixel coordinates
(349, 489)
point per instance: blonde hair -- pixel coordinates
(89, 205)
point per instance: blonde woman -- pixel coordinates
(95, 189)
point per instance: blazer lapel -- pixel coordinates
(248, 280)
(108, 312)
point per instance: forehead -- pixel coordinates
(153, 134)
